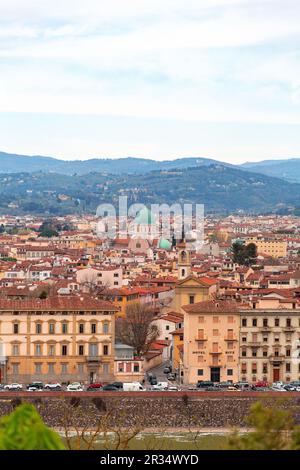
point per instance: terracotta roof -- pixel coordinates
(80, 303)
(211, 306)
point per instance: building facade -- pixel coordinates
(57, 340)
(211, 342)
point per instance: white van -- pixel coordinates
(133, 387)
(161, 386)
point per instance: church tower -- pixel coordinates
(184, 261)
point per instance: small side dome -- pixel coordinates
(164, 244)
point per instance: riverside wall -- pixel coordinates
(148, 410)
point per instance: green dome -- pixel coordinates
(164, 244)
(145, 217)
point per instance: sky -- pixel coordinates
(158, 79)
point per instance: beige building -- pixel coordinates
(58, 339)
(269, 246)
(211, 342)
(269, 345)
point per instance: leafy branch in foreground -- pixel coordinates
(273, 429)
(24, 429)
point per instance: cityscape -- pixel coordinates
(149, 230)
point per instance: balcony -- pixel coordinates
(289, 329)
(254, 344)
(200, 339)
(265, 329)
(93, 359)
(215, 353)
(279, 358)
(230, 339)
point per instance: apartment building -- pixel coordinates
(269, 345)
(211, 341)
(58, 339)
(269, 246)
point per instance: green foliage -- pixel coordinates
(244, 254)
(274, 429)
(24, 429)
(48, 229)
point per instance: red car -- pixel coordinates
(95, 386)
(261, 383)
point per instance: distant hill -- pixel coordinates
(288, 169)
(11, 163)
(221, 188)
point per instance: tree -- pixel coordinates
(244, 254)
(137, 328)
(24, 429)
(48, 229)
(274, 429)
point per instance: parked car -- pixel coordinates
(171, 377)
(153, 381)
(205, 384)
(119, 385)
(224, 385)
(34, 389)
(75, 387)
(109, 388)
(167, 370)
(94, 386)
(13, 387)
(173, 388)
(38, 385)
(261, 383)
(132, 387)
(242, 386)
(53, 386)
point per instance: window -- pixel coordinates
(15, 369)
(200, 344)
(38, 349)
(64, 350)
(38, 368)
(244, 352)
(81, 328)
(265, 353)
(80, 368)
(64, 328)
(288, 352)
(244, 339)
(81, 350)
(15, 350)
(93, 349)
(93, 328)
(38, 328)
(51, 368)
(200, 319)
(136, 368)
(244, 321)
(277, 322)
(167, 327)
(64, 368)
(229, 371)
(254, 322)
(215, 332)
(200, 371)
(254, 352)
(229, 345)
(200, 334)
(254, 368)
(105, 350)
(105, 328)
(51, 350)
(105, 369)
(116, 274)
(192, 299)
(215, 319)
(230, 358)
(265, 368)
(288, 322)
(51, 328)
(230, 319)
(16, 328)
(288, 367)
(265, 322)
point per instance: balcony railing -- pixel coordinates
(93, 358)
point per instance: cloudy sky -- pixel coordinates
(150, 78)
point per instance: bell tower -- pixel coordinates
(184, 261)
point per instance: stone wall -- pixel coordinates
(155, 412)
